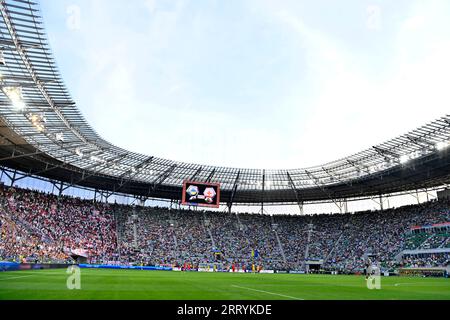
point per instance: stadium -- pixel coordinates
(195, 244)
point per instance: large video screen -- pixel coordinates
(201, 194)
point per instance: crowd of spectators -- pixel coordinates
(43, 227)
(383, 234)
(425, 260)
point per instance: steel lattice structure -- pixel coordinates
(44, 134)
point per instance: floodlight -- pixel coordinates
(417, 154)
(37, 121)
(404, 159)
(79, 152)
(40, 127)
(59, 136)
(15, 95)
(441, 145)
(2, 58)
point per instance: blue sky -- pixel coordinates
(253, 83)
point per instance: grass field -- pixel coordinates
(159, 285)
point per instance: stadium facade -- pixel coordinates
(43, 134)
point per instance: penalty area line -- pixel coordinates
(268, 292)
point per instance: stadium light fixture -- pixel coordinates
(424, 152)
(441, 145)
(79, 152)
(37, 121)
(2, 58)
(40, 127)
(418, 154)
(59, 136)
(404, 159)
(15, 95)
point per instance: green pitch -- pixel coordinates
(134, 284)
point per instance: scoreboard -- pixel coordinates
(201, 194)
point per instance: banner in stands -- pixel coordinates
(267, 271)
(430, 226)
(96, 266)
(9, 266)
(13, 266)
(80, 252)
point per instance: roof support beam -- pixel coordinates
(194, 176)
(36, 153)
(263, 190)
(296, 192)
(158, 181)
(421, 142)
(140, 166)
(386, 154)
(135, 170)
(233, 193)
(104, 165)
(48, 168)
(317, 183)
(211, 175)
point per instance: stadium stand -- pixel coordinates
(43, 227)
(46, 228)
(61, 146)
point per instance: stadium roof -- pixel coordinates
(43, 133)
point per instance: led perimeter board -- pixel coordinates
(201, 194)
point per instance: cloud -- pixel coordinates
(414, 23)
(355, 109)
(151, 5)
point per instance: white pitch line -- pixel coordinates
(10, 278)
(420, 284)
(272, 293)
(402, 284)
